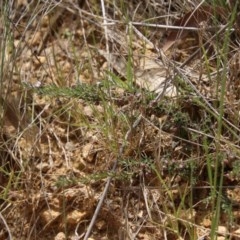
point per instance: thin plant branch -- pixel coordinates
(100, 203)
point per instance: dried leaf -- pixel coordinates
(150, 74)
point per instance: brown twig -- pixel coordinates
(121, 150)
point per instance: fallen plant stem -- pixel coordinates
(171, 27)
(7, 228)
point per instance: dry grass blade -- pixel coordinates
(107, 136)
(104, 193)
(6, 226)
(203, 13)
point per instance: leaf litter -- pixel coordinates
(75, 133)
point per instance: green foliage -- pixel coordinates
(86, 92)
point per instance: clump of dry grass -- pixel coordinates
(92, 106)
